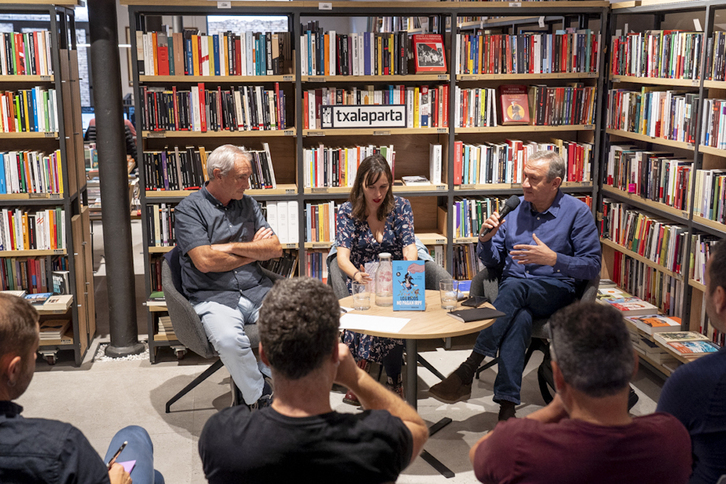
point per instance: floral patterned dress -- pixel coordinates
(356, 235)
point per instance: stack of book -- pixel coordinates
(166, 329)
(226, 54)
(687, 344)
(664, 54)
(53, 329)
(41, 230)
(31, 172)
(156, 298)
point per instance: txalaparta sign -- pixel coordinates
(364, 116)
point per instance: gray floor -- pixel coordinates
(101, 397)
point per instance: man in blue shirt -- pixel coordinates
(222, 234)
(548, 244)
(696, 393)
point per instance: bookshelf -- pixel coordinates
(693, 156)
(430, 203)
(44, 193)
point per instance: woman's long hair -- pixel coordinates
(369, 172)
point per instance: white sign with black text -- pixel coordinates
(365, 116)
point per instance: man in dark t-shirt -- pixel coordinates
(586, 434)
(300, 438)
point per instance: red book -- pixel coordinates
(19, 55)
(238, 56)
(306, 100)
(202, 107)
(429, 53)
(34, 40)
(446, 106)
(458, 149)
(514, 104)
(162, 59)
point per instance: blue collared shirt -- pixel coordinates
(567, 227)
(202, 220)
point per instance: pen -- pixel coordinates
(113, 459)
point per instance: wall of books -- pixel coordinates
(45, 254)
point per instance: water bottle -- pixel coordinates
(384, 280)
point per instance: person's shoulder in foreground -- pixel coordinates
(300, 438)
(586, 434)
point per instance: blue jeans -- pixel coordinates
(522, 300)
(140, 449)
(225, 329)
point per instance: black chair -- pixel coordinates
(187, 325)
(486, 284)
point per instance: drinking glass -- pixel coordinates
(448, 291)
(361, 296)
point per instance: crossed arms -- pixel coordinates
(226, 257)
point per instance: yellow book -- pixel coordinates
(26, 235)
(59, 170)
(195, 54)
(210, 38)
(321, 217)
(155, 53)
(379, 60)
(481, 53)
(470, 59)
(25, 108)
(203, 156)
(416, 119)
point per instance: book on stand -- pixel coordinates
(409, 286)
(429, 53)
(514, 104)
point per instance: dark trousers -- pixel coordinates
(522, 300)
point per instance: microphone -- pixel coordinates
(510, 205)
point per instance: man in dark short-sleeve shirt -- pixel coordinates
(300, 438)
(586, 434)
(222, 234)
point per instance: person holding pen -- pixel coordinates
(41, 450)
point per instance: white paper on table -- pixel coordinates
(378, 324)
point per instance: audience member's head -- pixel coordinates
(592, 348)
(373, 171)
(716, 286)
(18, 344)
(223, 159)
(298, 326)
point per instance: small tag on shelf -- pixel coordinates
(156, 134)
(440, 188)
(541, 22)
(51, 134)
(289, 132)
(381, 133)
(515, 4)
(224, 4)
(44, 78)
(288, 77)
(38, 195)
(316, 79)
(320, 189)
(443, 77)
(442, 130)
(697, 25)
(321, 246)
(316, 133)
(325, 6)
(289, 191)
(467, 187)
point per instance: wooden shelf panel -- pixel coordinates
(319, 245)
(431, 238)
(710, 223)
(12, 79)
(640, 258)
(433, 189)
(525, 77)
(157, 308)
(393, 78)
(218, 79)
(31, 253)
(527, 129)
(697, 285)
(492, 187)
(29, 135)
(712, 151)
(32, 196)
(164, 337)
(644, 202)
(218, 134)
(715, 84)
(650, 139)
(657, 81)
(432, 6)
(282, 189)
(373, 132)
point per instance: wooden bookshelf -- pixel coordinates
(26, 78)
(32, 253)
(710, 223)
(373, 132)
(28, 135)
(697, 285)
(651, 139)
(527, 77)
(378, 79)
(31, 196)
(493, 187)
(219, 134)
(712, 151)
(639, 258)
(641, 202)
(527, 129)
(280, 190)
(433, 189)
(217, 79)
(657, 81)
(714, 84)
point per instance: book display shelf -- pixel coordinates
(663, 154)
(45, 219)
(449, 120)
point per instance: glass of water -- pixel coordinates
(361, 296)
(448, 290)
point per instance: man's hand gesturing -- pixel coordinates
(534, 254)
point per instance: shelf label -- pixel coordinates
(224, 4)
(289, 191)
(50, 134)
(616, 79)
(440, 188)
(289, 132)
(325, 6)
(515, 4)
(541, 22)
(316, 79)
(321, 246)
(156, 134)
(58, 251)
(442, 130)
(320, 190)
(44, 78)
(684, 214)
(589, 126)
(467, 187)
(38, 195)
(289, 246)
(443, 77)
(697, 25)
(316, 133)
(467, 78)
(690, 146)
(695, 83)
(381, 133)
(439, 241)
(288, 78)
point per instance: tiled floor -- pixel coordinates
(101, 397)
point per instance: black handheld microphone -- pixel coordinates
(510, 205)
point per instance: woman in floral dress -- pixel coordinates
(371, 222)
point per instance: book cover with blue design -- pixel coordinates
(409, 285)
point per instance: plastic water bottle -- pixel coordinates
(384, 280)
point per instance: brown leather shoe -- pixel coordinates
(451, 390)
(507, 410)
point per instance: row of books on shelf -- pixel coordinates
(38, 230)
(655, 175)
(528, 53)
(283, 218)
(285, 266)
(426, 107)
(659, 290)
(320, 221)
(364, 53)
(466, 264)
(225, 54)
(161, 230)
(653, 238)
(315, 265)
(337, 167)
(710, 197)
(666, 114)
(165, 328)
(248, 108)
(26, 274)
(713, 131)
(29, 110)
(31, 172)
(664, 54)
(702, 246)
(716, 50)
(25, 53)
(504, 162)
